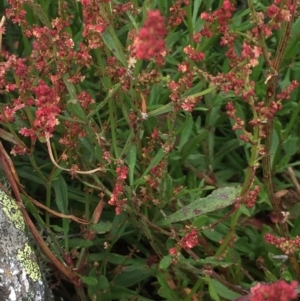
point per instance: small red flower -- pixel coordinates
(277, 291)
(173, 251)
(190, 240)
(150, 41)
(117, 198)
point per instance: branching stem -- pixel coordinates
(266, 161)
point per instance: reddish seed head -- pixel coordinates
(150, 41)
(277, 291)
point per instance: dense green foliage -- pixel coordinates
(205, 131)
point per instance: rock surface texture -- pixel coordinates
(20, 275)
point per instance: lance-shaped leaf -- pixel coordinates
(218, 199)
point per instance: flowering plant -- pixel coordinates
(121, 118)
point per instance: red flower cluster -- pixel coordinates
(94, 23)
(178, 12)
(277, 291)
(221, 15)
(116, 198)
(287, 246)
(150, 41)
(190, 240)
(285, 94)
(280, 13)
(156, 174)
(193, 54)
(180, 87)
(189, 103)
(47, 104)
(250, 198)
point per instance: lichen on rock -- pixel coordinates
(20, 275)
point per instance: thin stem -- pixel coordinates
(261, 40)
(250, 173)
(270, 98)
(66, 169)
(48, 203)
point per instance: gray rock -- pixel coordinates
(20, 274)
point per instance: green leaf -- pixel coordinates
(197, 4)
(165, 291)
(186, 131)
(114, 45)
(117, 259)
(32, 209)
(70, 87)
(223, 291)
(131, 277)
(286, 275)
(57, 228)
(219, 198)
(158, 157)
(27, 173)
(162, 110)
(245, 210)
(39, 13)
(74, 107)
(192, 144)
(73, 104)
(295, 66)
(211, 289)
(80, 243)
(90, 281)
(165, 262)
(204, 92)
(103, 282)
(290, 145)
(283, 163)
(102, 227)
(118, 227)
(8, 136)
(101, 291)
(275, 143)
(125, 294)
(214, 261)
(61, 194)
(200, 221)
(132, 162)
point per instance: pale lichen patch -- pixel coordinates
(31, 267)
(20, 275)
(12, 211)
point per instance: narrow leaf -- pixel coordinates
(158, 157)
(132, 162)
(223, 291)
(61, 194)
(114, 45)
(211, 289)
